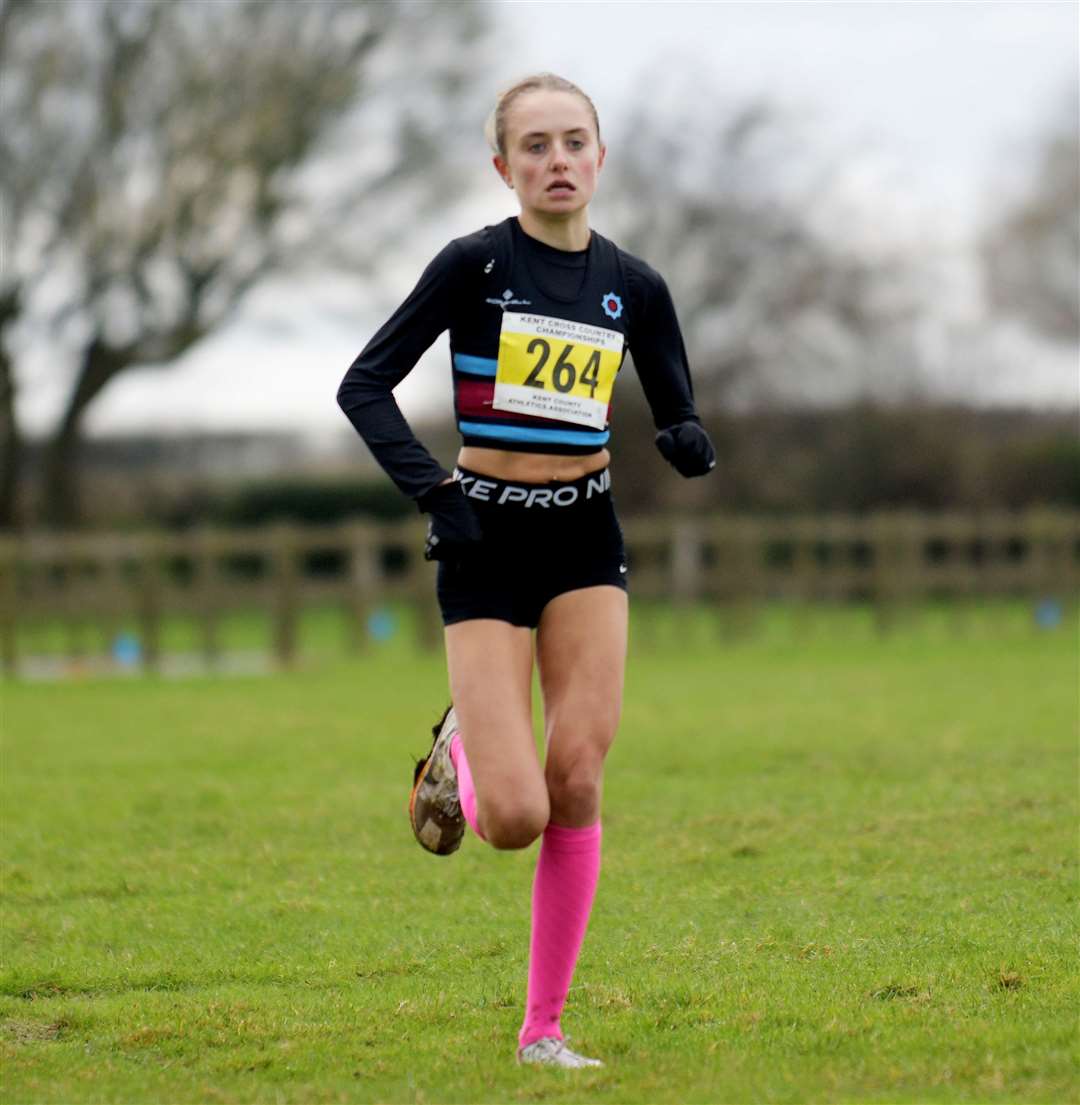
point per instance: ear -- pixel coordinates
(503, 170)
(600, 159)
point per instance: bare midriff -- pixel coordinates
(530, 467)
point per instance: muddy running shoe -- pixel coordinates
(551, 1052)
(434, 809)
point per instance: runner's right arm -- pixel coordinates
(366, 392)
(366, 396)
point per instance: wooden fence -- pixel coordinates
(731, 563)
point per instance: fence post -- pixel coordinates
(422, 586)
(206, 550)
(1050, 541)
(361, 584)
(1068, 528)
(68, 564)
(747, 573)
(887, 556)
(150, 596)
(641, 540)
(804, 575)
(685, 560)
(1055, 541)
(430, 622)
(961, 535)
(110, 586)
(898, 553)
(9, 597)
(735, 587)
(283, 543)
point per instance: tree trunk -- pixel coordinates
(61, 505)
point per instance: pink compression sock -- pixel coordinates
(566, 876)
(466, 790)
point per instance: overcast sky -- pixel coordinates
(945, 88)
(947, 94)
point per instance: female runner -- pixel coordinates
(541, 311)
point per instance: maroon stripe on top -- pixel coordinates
(473, 399)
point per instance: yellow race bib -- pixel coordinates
(552, 368)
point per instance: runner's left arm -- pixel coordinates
(659, 352)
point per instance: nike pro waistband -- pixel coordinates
(555, 493)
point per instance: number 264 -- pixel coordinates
(563, 374)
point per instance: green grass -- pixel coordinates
(837, 867)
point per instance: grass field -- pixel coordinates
(837, 868)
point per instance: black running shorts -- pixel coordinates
(540, 540)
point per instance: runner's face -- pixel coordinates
(553, 156)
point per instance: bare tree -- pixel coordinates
(158, 158)
(791, 295)
(775, 308)
(1031, 252)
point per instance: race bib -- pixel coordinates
(551, 368)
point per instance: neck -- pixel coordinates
(569, 232)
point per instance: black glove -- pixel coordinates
(453, 530)
(687, 446)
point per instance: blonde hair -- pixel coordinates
(495, 127)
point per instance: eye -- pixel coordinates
(576, 144)
(536, 147)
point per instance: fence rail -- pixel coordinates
(733, 563)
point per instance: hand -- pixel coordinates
(687, 446)
(453, 530)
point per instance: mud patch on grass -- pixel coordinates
(27, 1032)
(746, 851)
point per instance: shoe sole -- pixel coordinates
(430, 836)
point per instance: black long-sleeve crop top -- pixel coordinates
(537, 338)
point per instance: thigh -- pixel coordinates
(490, 666)
(581, 654)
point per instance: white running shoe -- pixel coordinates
(434, 807)
(553, 1052)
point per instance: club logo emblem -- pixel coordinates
(508, 300)
(612, 305)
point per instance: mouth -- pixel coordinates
(557, 187)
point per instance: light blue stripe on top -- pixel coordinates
(535, 434)
(478, 366)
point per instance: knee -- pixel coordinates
(574, 784)
(514, 824)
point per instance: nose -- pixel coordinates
(559, 159)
